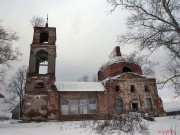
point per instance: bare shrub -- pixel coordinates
(128, 123)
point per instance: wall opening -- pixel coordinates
(42, 62)
(119, 105)
(40, 85)
(118, 88)
(135, 106)
(146, 88)
(44, 37)
(127, 69)
(43, 67)
(133, 89)
(149, 103)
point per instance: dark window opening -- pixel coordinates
(119, 105)
(53, 87)
(40, 85)
(42, 62)
(118, 88)
(146, 88)
(149, 104)
(135, 107)
(44, 37)
(133, 89)
(127, 69)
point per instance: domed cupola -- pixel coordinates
(117, 65)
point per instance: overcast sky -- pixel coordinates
(86, 33)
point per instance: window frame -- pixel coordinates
(91, 106)
(64, 105)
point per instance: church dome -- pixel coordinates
(117, 65)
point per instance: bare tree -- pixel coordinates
(16, 89)
(142, 60)
(7, 52)
(37, 21)
(95, 78)
(171, 77)
(84, 78)
(154, 24)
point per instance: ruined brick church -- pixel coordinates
(121, 87)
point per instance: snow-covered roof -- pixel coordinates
(113, 60)
(80, 86)
(122, 76)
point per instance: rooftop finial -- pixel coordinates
(47, 21)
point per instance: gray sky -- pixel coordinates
(86, 33)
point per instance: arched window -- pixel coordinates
(42, 62)
(127, 69)
(149, 104)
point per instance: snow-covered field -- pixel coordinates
(161, 126)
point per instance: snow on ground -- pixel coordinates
(162, 126)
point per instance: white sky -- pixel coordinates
(86, 33)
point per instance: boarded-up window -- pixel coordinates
(149, 104)
(119, 105)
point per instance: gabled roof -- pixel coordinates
(80, 86)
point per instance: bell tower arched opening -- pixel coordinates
(41, 62)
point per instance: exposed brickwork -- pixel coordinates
(122, 81)
(51, 35)
(53, 105)
(139, 96)
(113, 75)
(41, 99)
(116, 69)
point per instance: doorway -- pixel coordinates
(135, 106)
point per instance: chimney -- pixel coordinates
(117, 51)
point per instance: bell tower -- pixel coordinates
(40, 91)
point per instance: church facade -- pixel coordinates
(121, 87)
